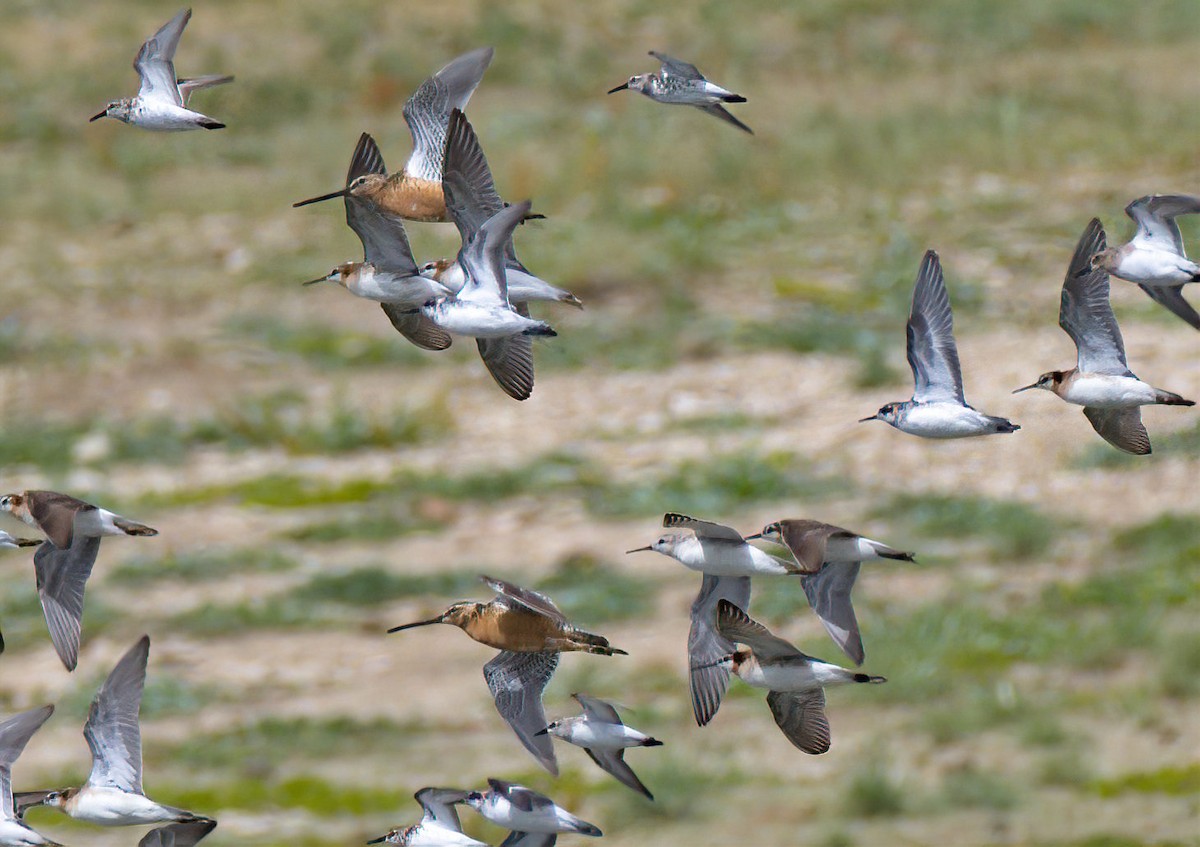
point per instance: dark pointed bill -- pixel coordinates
(864, 420)
(620, 87)
(1025, 388)
(322, 198)
(98, 117)
(315, 281)
(638, 550)
(438, 619)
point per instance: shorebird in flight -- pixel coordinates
(1154, 258)
(161, 102)
(680, 83)
(415, 192)
(938, 408)
(530, 631)
(1101, 382)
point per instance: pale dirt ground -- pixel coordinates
(156, 331)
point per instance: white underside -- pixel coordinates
(723, 558)
(944, 420)
(463, 318)
(1156, 268)
(391, 288)
(499, 811)
(604, 736)
(93, 522)
(794, 675)
(165, 117)
(113, 807)
(522, 287)
(435, 835)
(856, 549)
(1106, 391)
(15, 834)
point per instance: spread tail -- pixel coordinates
(1166, 398)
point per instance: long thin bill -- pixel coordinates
(323, 197)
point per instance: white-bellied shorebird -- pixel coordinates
(830, 557)
(1101, 382)
(525, 811)
(64, 562)
(15, 733)
(112, 795)
(795, 682)
(680, 83)
(938, 408)
(1154, 258)
(604, 737)
(439, 826)
(161, 102)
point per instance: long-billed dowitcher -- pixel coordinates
(161, 102)
(415, 193)
(830, 557)
(64, 562)
(524, 810)
(529, 631)
(112, 795)
(938, 408)
(604, 737)
(1101, 381)
(439, 826)
(795, 682)
(681, 83)
(15, 733)
(1154, 257)
(388, 273)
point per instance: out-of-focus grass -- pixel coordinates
(1170, 780)
(207, 565)
(1010, 529)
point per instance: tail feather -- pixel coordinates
(1003, 424)
(133, 527)
(1166, 398)
(541, 330)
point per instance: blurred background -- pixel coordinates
(316, 480)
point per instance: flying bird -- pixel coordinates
(680, 83)
(604, 737)
(530, 631)
(161, 102)
(938, 408)
(1101, 382)
(415, 192)
(1154, 258)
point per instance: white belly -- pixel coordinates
(402, 290)
(13, 833)
(465, 318)
(1105, 391)
(722, 558)
(112, 807)
(95, 522)
(605, 736)
(944, 420)
(1156, 267)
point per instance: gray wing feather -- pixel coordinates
(613, 761)
(932, 353)
(417, 328)
(438, 804)
(467, 184)
(737, 626)
(155, 62)
(706, 645)
(427, 112)
(1085, 313)
(530, 839)
(535, 601)
(675, 67)
(828, 593)
(383, 236)
(61, 577)
(178, 834)
(14, 735)
(597, 709)
(801, 716)
(704, 529)
(482, 255)
(1122, 428)
(719, 111)
(112, 730)
(1172, 298)
(1155, 218)
(517, 681)
(510, 362)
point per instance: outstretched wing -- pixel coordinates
(932, 353)
(801, 716)
(510, 361)
(1155, 215)
(1122, 428)
(613, 761)
(535, 601)
(61, 577)
(703, 529)
(1171, 296)
(707, 678)
(517, 681)
(1085, 312)
(14, 735)
(155, 62)
(736, 625)
(674, 67)
(178, 834)
(417, 328)
(828, 593)
(427, 111)
(112, 730)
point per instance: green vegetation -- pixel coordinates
(207, 565)
(1010, 529)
